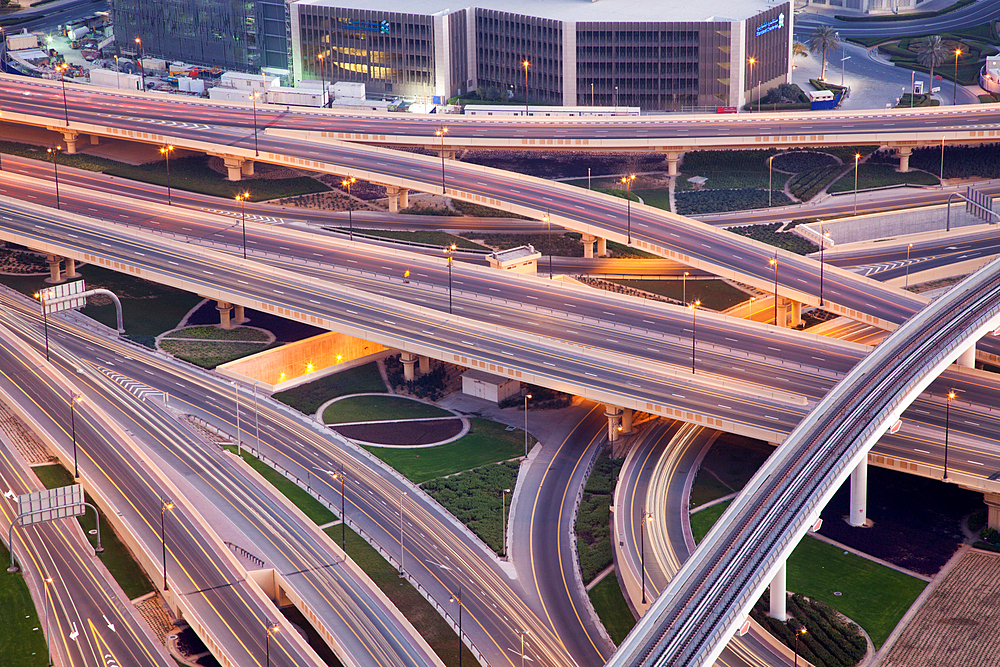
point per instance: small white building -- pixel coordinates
(523, 259)
(493, 388)
(248, 82)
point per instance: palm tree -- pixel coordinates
(823, 39)
(930, 53)
(799, 49)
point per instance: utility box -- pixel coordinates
(823, 99)
(107, 78)
(296, 97)
(348, 90)
(23, 41)
(523, 259)
(493, 388)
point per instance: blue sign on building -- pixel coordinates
(368, 26)
(773, 24)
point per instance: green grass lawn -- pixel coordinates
(872, 595)
(427, 621)
(306, 398)
(22, 642)
(660, 198)
(217, 333)
(473, 497)
(116, 557)
(209, 355)
(727, 467)
(442, 239)
(879, 176)
(370, 408)
(611, 607)
(714, 294)
(487, 442)
(312, 508)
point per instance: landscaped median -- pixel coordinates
(209, 346)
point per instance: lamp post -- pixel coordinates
(684, 287)
(822, 246)
(642, 550)
(348, 182)
(750, 308)
(526, 397)
(343, 505)
(947, 423)
(694, 310)
(271, 627)
(450, 249)
(242, 198)
(627, 180)
(843, 60)
(48, 628)
(591, 93)
(118, 75)
(752, 62)
(61, 68)
(857, 159)
(522, 633)
(401, 497)
(525, 64)
(239, 439)
(912, 75)
(164, 506)
(954, 95)
(440, 133)
(941, 172)
(322, 79)
(459, 600)
(142, 64)
(770, 178)
(548, 221)
(906, 285)
(165, 151)
(503, 521)
(55, 171)
(45, 320)
(72, 421)
(253, 100)
(800, 631)
(774, 262)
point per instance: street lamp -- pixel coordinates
(954, 96)
(522, 633)
(347, 183)
(142, 64)
(440, 133)
(322, 79)
(72, 421)
(61, 68)
(164, 506)
(548, 221)
(526, 397)
(450, 249)
(118, 74)
(459, 600)
(774, 262)
(752, 62)
(906, 285)
(48, 628)
(694, 309)
(684, 287)
(857, 159)
(401, 497)
(253, 100)
(750, 308)
(343, 516)
(822, 246)
(770, 178)
(642, 550)
(503, 521)
(627, 180)
(239, 439)
(55, 171)
(947, 420)
(242, 198)
(271, 627)
(525, 64)
(165, 151)
(45, 319)
(800, 631)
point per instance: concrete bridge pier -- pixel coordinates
(904, 153)
(992, 501)
(95, 140)
(779, 600)
(398, 198)
(673, 158)
(234, 167)
(968, 357)
(588, 245)
(246, 169)
(409, 361)
(425, 364)
(796, 318)
(858, 515)
(602, 247)
(627, 421)
(225, 314)
(70, 138)
(238, 316)
(55, 269)
(614, 415)
(71, 268)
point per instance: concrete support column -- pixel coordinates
(993, 505)
(71, 139)
(55, 269)
(782, 308)
(904, 158)
(71, 269)
(627, 421)
(95, 140)
(614, 414)
(238, 316)
(225, 312)
(602, 247)
(394, 198)
(404, 198)
(858, 516)
(588, 245)
(967, 358)
(246, 169)
(778, 597)
(796, 314)
(425, 364)
(673, 158)
(234, 167)
(409, 361)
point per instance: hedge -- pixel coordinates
(768, 233)
(807, 184)
(719, 201)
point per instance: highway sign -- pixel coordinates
(57, 292)
(895, 427)
(50, 504)
(745, 628)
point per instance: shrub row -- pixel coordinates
(718, 201)
(959, 161)
(727, 160)
(768, 233)
(827, 642)
(429, 385)
(796, 161)
(808, 184)
(593, 520)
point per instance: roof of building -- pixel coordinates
(488, 378)
(576, 10)
(517, 254)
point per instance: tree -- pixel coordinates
(799, 49)
(931, 53)
(823, 39)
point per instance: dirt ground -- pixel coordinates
(412, 432)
